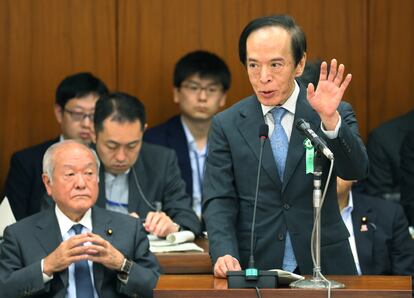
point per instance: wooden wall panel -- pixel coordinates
(154, 35)
(390, 67)
(134, 44)
(43, 41)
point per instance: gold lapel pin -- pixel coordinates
(109, 232)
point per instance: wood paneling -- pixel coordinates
(133, 46)
(41, 42)
(154, 35)
(390, 69)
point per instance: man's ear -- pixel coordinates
(301, 66)
(58, 113)
(145, 127)
(223, 100)
(93, 136)
(175, 95)
(48, 184)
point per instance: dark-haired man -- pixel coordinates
(75, 102)
(273, 50)
(138, 178)
(201, 80)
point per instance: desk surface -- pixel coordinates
(186, 262)
(183, 286)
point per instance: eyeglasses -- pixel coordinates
(195, 89)
(79, 116)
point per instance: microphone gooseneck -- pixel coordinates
(319, 143)
(263, 135)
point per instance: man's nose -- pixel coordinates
(120, 154)
(265, 75)
(80, 181)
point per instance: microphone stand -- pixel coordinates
(318, 281)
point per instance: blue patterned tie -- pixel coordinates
(84, 287)
(280, 143)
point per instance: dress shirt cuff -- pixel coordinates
(46, 277)
(332, 134)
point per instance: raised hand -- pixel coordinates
(329, 92)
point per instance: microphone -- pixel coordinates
(320, 144)
(251, 277)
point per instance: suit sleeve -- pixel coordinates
(19, 186)
(177, 203)
(407, 176)
(220, 212)
(145, 271)
(17, 280)
(351, 159)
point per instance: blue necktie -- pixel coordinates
(84, 287)
(280, 144)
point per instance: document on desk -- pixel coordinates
(179, 241)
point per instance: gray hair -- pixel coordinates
(49, 160)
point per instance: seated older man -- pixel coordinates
(74, 249)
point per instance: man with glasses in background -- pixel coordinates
(201, 80)
(74, 108)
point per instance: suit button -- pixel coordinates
(286, 206)
(280, 236)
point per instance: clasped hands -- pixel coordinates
(87, 246)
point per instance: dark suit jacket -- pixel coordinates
(383, 147)
(24, 187)
(407, 176)
(229, 188)
(171, 134)
(159, 177)
(33, 238)
(386, 248)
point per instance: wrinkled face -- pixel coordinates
(270, 65)
(76, 119)
(199, 99)
(74, 184)
(118, 145)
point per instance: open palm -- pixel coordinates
(330, 90)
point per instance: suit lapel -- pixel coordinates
(48, 233)
(251, 117)
(363, 239)
(178, 141)
(296, 149)
(101, 225)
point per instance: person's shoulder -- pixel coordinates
(34, 151)
(239, 107)
(24, 225)
(390, 127)
(162, 128)
(117, 217)
(154, 149)
(377, 203)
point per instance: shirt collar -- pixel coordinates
(350, 206)
(190, 138)
(65, 223)
(290, 103)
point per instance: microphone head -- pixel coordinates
(264, 131)
(301, 124)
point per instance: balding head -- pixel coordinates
(70, 175)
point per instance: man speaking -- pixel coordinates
(273, 50)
